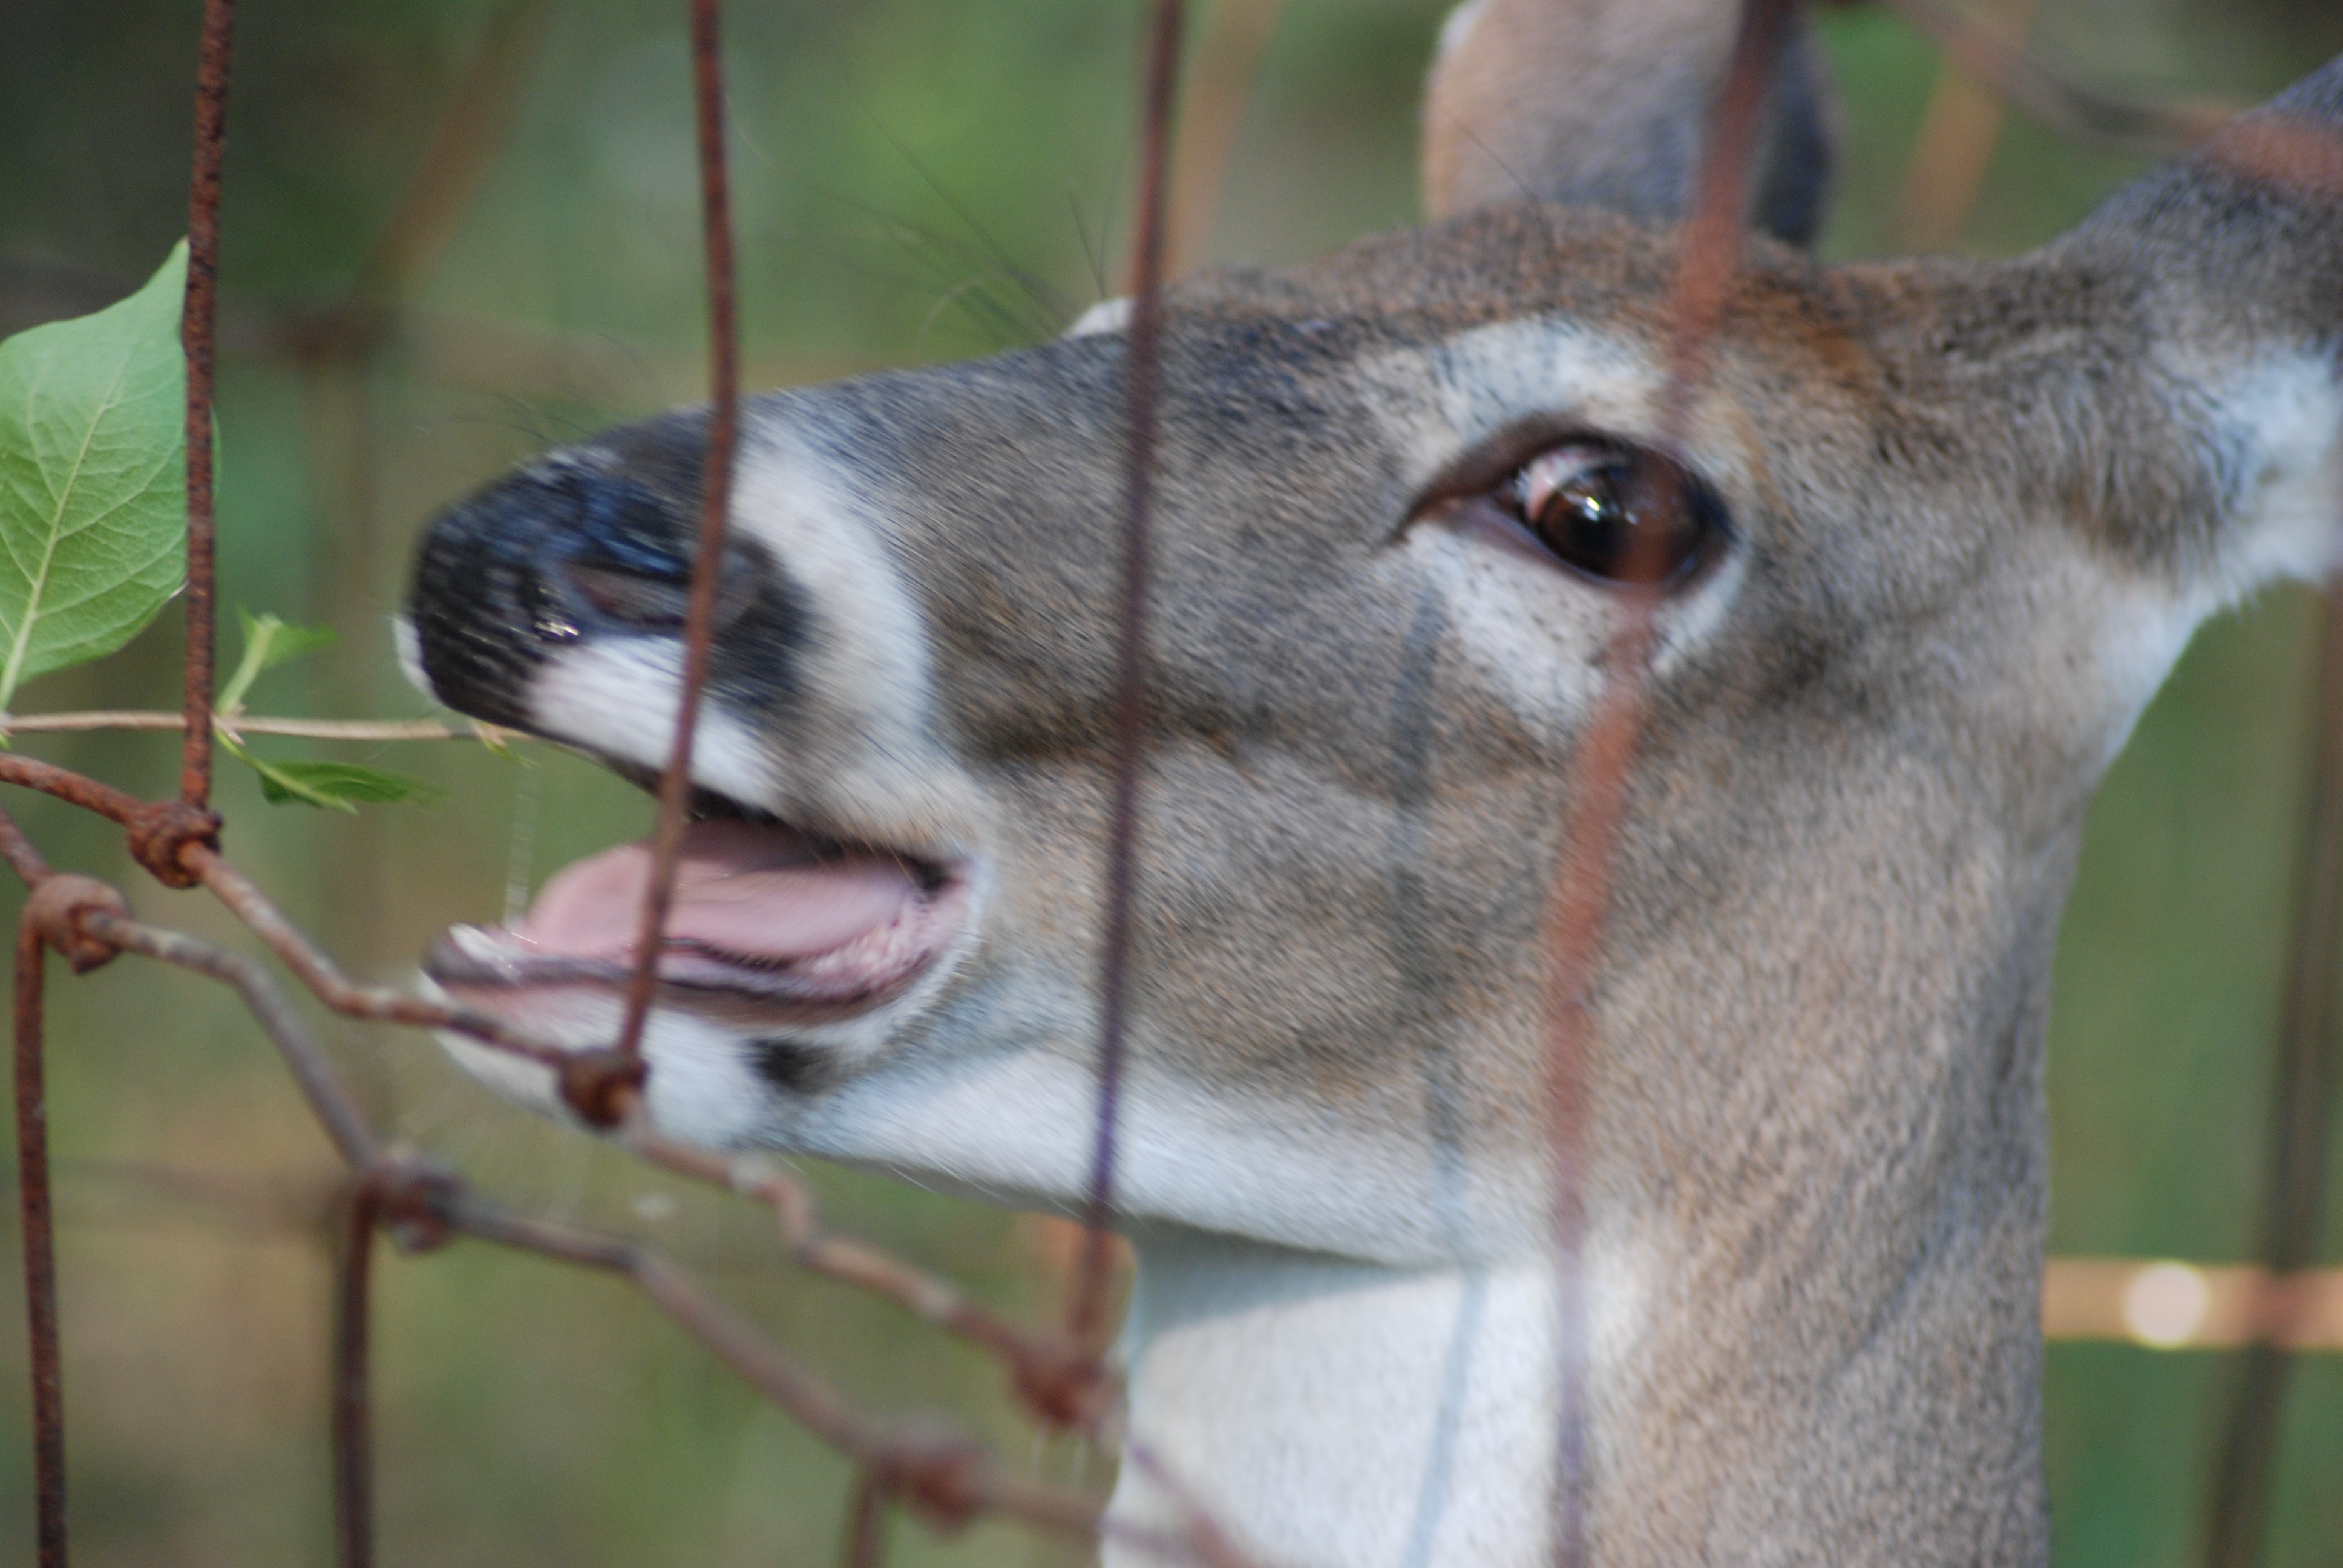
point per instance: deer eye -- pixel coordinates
(1616, 516)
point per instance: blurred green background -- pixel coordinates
(918, 180)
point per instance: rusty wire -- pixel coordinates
(1086, 1315)
(350, 1392)
(941, 1473)
(2302, 1113)
(2271, 150)
(196, 334)
(715, 502)
(39, 1238)
(1708, 252)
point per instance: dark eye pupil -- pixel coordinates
(1611, 523)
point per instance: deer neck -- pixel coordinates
(1874, 1390)
(1331, 1411)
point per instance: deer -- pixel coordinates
(1942, 528)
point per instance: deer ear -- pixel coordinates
(1605, 103)
(2168, 376)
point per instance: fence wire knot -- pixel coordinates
(410, 1200)
(162, 830)
(56, 910)
(600, 1085)
(937, 1472)
(1066, 1385)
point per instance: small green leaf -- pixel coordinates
(267, 643)
(345, 781)
(338, 785)
(330, 786)
(93, 481)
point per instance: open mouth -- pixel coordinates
(769, 922)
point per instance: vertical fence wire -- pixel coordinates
(1709, 249)
(1232, 43)
(865, 1545)
(40, 1251)
(2303, 1117)
(197, 333)
(715, 504)
(1087, 1313)
(352, 1380)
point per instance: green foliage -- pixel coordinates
(92, 489)
(335, 785)
(269, 642)
(93, 519)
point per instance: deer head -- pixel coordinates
(1947, 527)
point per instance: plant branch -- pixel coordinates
(240, 724)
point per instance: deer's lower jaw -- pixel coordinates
(769, 925)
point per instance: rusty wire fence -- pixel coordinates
(1062, 1371)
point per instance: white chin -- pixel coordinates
(703, 1087)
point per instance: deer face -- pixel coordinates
(1949, 526)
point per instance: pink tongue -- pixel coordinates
(756, 894)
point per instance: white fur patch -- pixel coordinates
(619, 697)
(700, 1088)
(1106, 316)
(2283, 418)
(860, 751)
(2288, 413)
(1459, 26)
(1012, 1122)
(1333, 1412)
(410, 650)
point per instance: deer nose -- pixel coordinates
(614, 562)
(551, 556)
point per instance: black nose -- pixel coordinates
(563, 551)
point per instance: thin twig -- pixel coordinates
(2269, 149)
(865, 1545)
(1087, 1313)
(239, 725)
(715, 503)
(1957, 137)
(196, 336)
(461, 157)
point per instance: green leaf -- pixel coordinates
(330, 786)
(340, 783)
(339, 786)
(267, 643)
(93, 481)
